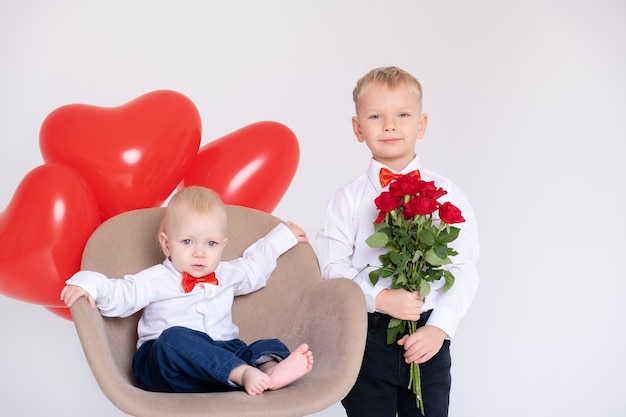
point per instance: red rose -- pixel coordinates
(386, 202)
(405, 185)
(450, 214)
(431, 191)
(420, 205)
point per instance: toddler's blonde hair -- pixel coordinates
(199, 199)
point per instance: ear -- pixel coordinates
(422, 127)
(225, 241)
(356, 127)
(164, 244)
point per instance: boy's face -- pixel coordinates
(390, 122)
(193, 241)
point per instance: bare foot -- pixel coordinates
(253, 380)
(296, 365)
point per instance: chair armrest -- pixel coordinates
(333, 320)
(94, 338)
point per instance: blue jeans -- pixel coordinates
(381, 389)
(185, 360)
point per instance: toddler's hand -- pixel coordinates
(297, 231)
(71, 293)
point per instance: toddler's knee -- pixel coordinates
(173, 333)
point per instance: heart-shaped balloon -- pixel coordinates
(134, 155)
(43, 232)
(252, 166)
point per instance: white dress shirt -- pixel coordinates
(207, 308)
(343, 252)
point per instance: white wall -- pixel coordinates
(526, 103)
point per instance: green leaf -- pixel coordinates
(400, 281)
(427, 237)
(449, 280)
(378, 227)
(374, 275)
(432, 258)
(396, 258)
(424, 289)
(391, 246)
(448, 234)
(396, 326)
(384, 273)
(441, 251)
(377, 240)
(400, 232)
(416, 256)
(405, 241)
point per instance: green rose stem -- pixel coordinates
(415, 379)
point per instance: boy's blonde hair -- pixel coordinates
(391, 77)
(199, 199)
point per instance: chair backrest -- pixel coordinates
(128, 243)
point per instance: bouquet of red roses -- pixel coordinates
(416, 241)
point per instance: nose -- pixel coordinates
(389, 126)
(198, 252)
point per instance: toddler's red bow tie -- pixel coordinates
(189, 281)
(386, 176)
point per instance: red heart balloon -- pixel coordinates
(134, 155)
(43, 232)
(251, 167)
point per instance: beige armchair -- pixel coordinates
(296, 306)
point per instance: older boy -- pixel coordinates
(389, 120)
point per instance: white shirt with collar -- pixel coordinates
(207, 308)
(343, 253)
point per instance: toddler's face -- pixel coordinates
(193, 241)
(390, 122)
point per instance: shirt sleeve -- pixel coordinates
(118, 297)
(335, 246)
(259, 260)
(452, 305)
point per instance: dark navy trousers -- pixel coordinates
(185, 360)
(381, 389)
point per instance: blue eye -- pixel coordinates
(404, 115)
(212, 243)
(375, 116)
(186, 241)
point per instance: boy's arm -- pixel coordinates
(113, 297)
(259, 260)
(335, 247)
(454, 303)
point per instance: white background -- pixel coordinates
(527, 111)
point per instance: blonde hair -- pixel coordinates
(391, 77)
(199, 199)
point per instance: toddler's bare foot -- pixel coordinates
(254, 381)
(296, 365)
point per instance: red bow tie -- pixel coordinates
(386, 176)
(189, 282)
